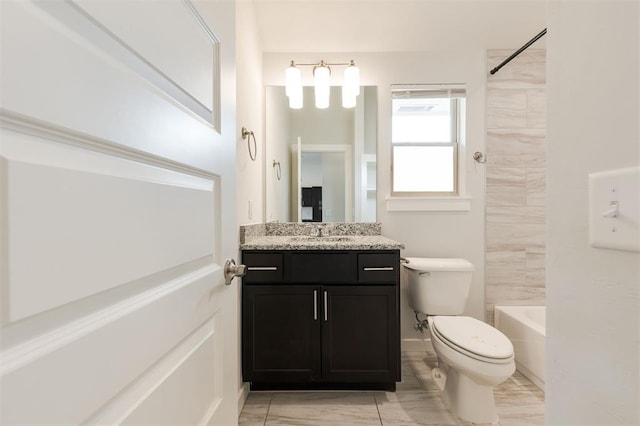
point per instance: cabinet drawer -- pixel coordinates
(378, 267)
(263, 267)
(325, 267)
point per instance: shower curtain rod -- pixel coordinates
(519, 51)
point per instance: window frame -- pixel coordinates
(456, 132)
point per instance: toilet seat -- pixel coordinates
(473, 338)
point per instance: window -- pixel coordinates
(427, 127)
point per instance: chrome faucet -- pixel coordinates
(320, 231)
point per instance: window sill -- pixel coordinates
(428, 204)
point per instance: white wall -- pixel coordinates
(593, 316)
(333, 190)
(333, 125)
(249, 114)
(437, 234)
(278, 140)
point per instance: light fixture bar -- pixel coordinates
(321, 77)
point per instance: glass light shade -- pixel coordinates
(351, 81)
(296, 98)
(321, 77)
(348, 99)
(292, 79)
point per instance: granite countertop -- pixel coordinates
(298, 236)
(335, 242)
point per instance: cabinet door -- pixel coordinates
(281, 333)
(360, 334)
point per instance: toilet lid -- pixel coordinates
(473, 336)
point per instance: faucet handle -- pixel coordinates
(319, 231)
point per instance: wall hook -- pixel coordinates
(248, 135)
(479, 157)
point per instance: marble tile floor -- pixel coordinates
(415, 402)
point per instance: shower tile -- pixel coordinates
(516, 148)
(535, 267)
(515, 222)
(506, 176)
(506, 195)
(506, 278)
(506, 109)
(514, 236)
(506, 256)
(515, 295)
(536, 108)
(536, 186)
(518, 214)
(505, 267)
(526, 70)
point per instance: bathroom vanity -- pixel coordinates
(321, 312)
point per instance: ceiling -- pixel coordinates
(397, 25)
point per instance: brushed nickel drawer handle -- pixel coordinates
(325, 306)
(383, 268)
(315, 305)
(262, 268)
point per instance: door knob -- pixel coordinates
(231, 270)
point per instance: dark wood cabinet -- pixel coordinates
(312, 198)
(320, 318)
(360, 334)
(281, 333)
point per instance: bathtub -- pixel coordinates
(525, 327)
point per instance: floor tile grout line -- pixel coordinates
(377, 408)
(266, 416)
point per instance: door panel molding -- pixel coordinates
(28, 125)
(160, 218)
(179, 365)
(96, 27)
(110, 339)
(43, 344)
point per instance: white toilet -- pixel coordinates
(473, 357)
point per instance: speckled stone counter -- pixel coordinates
(299, 236)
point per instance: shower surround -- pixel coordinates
(515, 170)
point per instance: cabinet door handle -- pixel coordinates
(325, 306)
(262, 268)
(382, 268)
(315, 305)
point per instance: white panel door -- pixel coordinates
(117, 212)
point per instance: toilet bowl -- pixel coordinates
(473, 357)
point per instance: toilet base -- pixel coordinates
(467, 399)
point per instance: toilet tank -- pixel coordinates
(438, 286)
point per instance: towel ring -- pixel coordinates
(248, 135)
(276, 165)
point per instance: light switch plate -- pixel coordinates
(614, 209)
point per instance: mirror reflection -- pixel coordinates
(320, 163)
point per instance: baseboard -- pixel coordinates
(415, 345)
(243, 393)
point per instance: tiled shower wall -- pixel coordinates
(515, 170)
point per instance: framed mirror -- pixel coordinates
(320, 163)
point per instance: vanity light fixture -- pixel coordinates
(322, 80)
